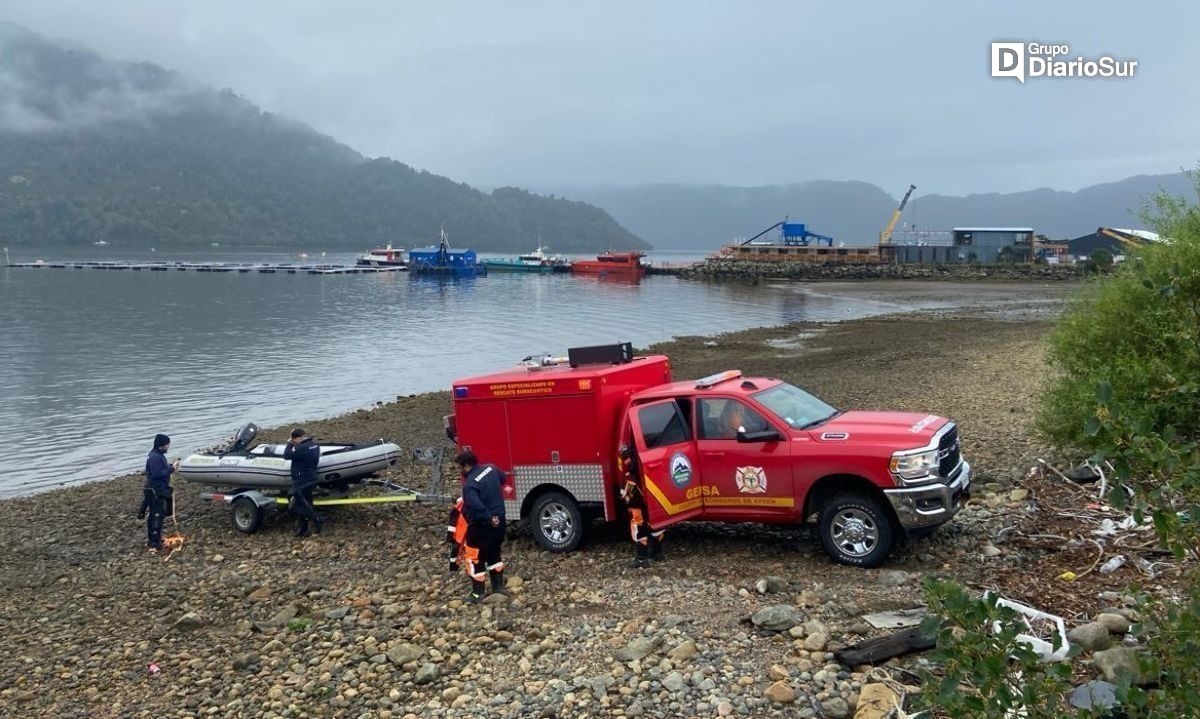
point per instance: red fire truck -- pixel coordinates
(725, 448)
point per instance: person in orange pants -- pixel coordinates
(646, 539)
(483, 508)
(456, 534)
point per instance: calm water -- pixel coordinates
(93, 363)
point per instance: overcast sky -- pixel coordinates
(738, 92)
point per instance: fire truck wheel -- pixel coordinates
(556, 522)
(247, 515)
(856, 530)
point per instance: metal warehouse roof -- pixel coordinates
(993, 229)
(1144, 234)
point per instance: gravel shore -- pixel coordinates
(364, 621)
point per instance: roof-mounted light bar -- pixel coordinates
(716, 379)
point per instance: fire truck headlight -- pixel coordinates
(914, 468)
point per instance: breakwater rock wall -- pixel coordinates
(732, 269)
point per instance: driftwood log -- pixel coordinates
(873, 651)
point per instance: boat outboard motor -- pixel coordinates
(243, 438)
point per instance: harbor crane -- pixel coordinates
(886, 236)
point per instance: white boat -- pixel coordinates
(263, 466)
(100, 243)
(384, 257)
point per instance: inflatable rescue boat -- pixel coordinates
(263, 466)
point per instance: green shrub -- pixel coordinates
(1139, 331)
(985, 674)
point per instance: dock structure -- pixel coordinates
(241, 267)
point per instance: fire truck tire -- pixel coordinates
(855, 529)
(247, 516)
(556, 522)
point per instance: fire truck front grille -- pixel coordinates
(948, 452)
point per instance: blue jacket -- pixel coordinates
(158, 470)
(305, 457)
(481, 494)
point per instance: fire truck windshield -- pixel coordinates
(795, 406)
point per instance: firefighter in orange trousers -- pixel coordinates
(646, 539)
(456, 533)
(483, 508)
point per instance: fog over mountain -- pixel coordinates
(137, 155)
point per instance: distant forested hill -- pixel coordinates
(136, 155)
(689, 217)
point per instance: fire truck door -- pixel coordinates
(667, 457)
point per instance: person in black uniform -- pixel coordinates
(304, 454)
(647, 541)
(156, 495)
(483, 508)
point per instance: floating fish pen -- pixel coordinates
(262, 268)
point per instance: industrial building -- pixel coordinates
(1116, 241)
(980, 245)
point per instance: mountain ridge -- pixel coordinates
(138, 155)
(676, 216)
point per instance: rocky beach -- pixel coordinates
(365, 622)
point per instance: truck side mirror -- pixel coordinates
(766, 435)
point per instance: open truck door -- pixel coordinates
(667, 462)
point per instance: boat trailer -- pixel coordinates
(251, 505)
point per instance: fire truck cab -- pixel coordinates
(725, 448)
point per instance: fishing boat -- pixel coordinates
(444, 262)
(384, 257)
(612, 264)
(536, 261)
(240, 466)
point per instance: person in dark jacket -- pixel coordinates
(156, 495)
(304, 455)
(647, 540)
(483, 508)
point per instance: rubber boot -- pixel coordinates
(641, 560)
(656, 550)
(478, 588)
(301, 528)
(498, 582)
(317, 524)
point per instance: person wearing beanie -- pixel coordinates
(304, 454)
(156, 495)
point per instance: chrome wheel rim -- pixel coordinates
(555, 522)
(855, 532)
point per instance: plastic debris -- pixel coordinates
(153, 668)
(1042, 631)
(1068, 576)
(1113, 564)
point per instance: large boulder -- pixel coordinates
(777, 617)
(1121, 663)
(1090, 637)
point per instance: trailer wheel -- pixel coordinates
(556, 522)
(856, 530)
(247, 515)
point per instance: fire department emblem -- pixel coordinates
(751, 480)
(681, 470)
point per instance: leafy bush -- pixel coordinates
(1102, 260)
(985, 673)
(1137, 330)
(1127, 391)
